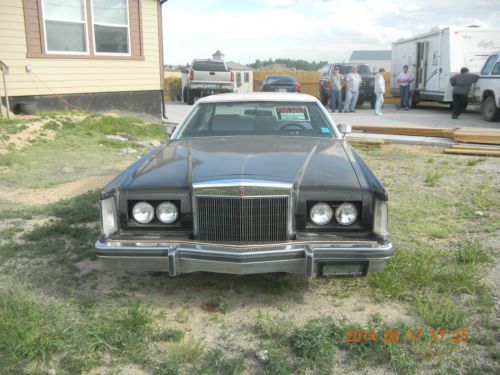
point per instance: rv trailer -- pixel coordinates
(436, 56)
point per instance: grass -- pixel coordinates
(80, 144)
(55, 315)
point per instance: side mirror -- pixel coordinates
(345, 129)
(170, 128)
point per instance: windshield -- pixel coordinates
(214, 66)
(256, 118)
(362, 69)
(280, 79)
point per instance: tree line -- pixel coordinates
(290, 63)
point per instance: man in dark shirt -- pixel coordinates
(461, 84)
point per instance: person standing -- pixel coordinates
(379, 91)
(337, 79)
(354, 81)
(404, 79)
(461, 84)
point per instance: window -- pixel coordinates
(238, 77)
(489, 64)
(247, 77)
(496, 69)
(111, 26)
(65, 26)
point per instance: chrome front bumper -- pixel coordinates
(310, 258)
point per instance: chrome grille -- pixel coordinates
(242, 219)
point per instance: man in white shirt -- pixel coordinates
(354, 81)
(379, 91)
(404, 80)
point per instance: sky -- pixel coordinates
(312, 30)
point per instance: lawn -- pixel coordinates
(431, 311)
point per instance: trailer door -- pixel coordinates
(421, 68)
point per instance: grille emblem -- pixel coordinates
(242, 191)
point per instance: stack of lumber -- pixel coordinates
(405, 130)
(480, 135)
(365, 141)
(473, 149)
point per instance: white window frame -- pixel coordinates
(111, 25)
(85, 22)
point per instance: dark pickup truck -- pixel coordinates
(366, 91)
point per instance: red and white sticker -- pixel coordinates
(289, 113)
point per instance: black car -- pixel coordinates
(248, 183)
(280, 83)
(366, 91)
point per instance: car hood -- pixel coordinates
(310, 162)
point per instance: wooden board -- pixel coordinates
(471, 152)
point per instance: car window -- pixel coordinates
(496, 69)
(489, 64)
(256, 118)
(214, 66)
(280, 79)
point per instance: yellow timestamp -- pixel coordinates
(411, 336)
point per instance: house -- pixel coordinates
(95, 55)
(243, 75)
(374, 59)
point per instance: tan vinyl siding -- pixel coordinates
(78, 75)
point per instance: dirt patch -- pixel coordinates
(26, 136)
(55, 193)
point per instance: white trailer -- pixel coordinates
(436, 56)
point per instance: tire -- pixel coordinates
(489, 109)
(413, 101)
(184, 95)
(324, 97)
(361, 100)
(373, 100)
(190, 96)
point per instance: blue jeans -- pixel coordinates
(378, 103)
(335, 101)
(404, 91)
(351, 98)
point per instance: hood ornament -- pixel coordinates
(242, 191)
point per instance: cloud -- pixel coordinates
(311, 30)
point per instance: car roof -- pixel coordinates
(258, 96)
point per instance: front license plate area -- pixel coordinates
(343, 269)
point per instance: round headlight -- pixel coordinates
(143, 212)
(346, 214)
(167, 212)
(321, 213)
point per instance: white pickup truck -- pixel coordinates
(487, 88)
(206, 77)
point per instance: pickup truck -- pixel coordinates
(366, 91)
(206, 77)
(487, 88)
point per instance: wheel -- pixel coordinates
(490, 110)
(361, 100)
(324, 97)
(184, 95)
(190, 96)
(413, 101)
(373, 100)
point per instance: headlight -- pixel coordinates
(346, 214)
(167, 212)
(109, 224)
(321, 213)
(143, 212)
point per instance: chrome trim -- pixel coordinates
(230, 188)
(305, 258)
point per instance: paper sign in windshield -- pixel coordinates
(292, 114)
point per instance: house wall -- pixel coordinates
(60, 76)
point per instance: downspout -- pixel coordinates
(164, 118)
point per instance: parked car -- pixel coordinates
(487, 88)
(366, 91)
(280, 83)
(206, 77)
(248, 183)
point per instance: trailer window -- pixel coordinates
(489, 64)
